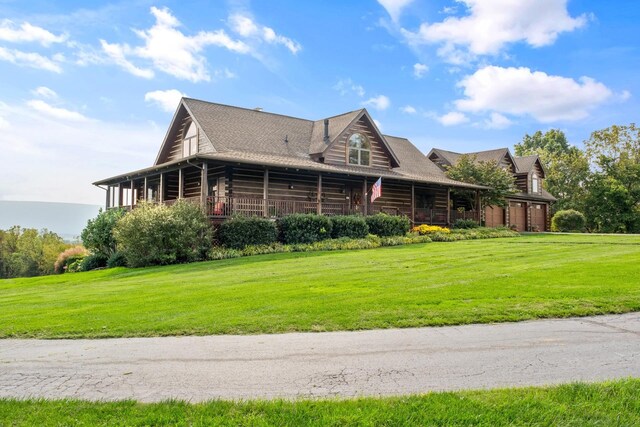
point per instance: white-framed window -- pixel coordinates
(535, 183)
(358, 150)
(190, 141)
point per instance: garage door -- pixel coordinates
(494, 216)
(538, 217)
(518, 215)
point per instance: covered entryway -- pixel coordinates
(538, 217)
(518, 215)
(494, 216)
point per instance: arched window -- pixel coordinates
(359, 150)
(535, 183)
(190, 141)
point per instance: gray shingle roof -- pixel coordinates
(336, 125)
(525, 163)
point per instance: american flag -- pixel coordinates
(376, 190)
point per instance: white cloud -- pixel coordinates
(56, 160)
(56, 112)
(520, 92)
(419, 70)
(170, 50)
(493, 24)
(394, 7)
(29, 59)
(28, 33)
(379, 102)
(44, 92)
(4, 123)
(246, 27)
(625, 95)
(167, 100)
(346, 86)
(452, 118)
(378, 125)
(497, 121)
(408, 109)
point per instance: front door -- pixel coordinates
(356, 199)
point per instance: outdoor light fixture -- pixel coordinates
(290, 186)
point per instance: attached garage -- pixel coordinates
(518, 215)
(538, 217)
(494, 216)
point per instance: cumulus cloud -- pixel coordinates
(522, 92)
(408, 109)
(380, 102)
(167, 100)
(29, 59)
(26, 32)
(452, 118)
(347, 86)
(394, 7)
(171, 51)
(4, 123)
(44, 92)
(497, 121)
(419, 70)
(248, 28)
(491, 25)
(56, 112)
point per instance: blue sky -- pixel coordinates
(88, 88)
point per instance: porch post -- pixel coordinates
(133, 189)
(448, 205)
(364, 196)
(204, 184)
(413, 203)
(106, 205)
(119, 194)
(319, 194)
(145, 189)
(478, 207)
(180, 184)
(161, 189)
(265, 193)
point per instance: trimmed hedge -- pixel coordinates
(384, 225)
(465, 223)
(238, 232)
(352, 226)
(568, 220)
(304, 228)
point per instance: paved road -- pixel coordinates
(381, 362)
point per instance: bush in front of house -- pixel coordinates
(118, 259)
(239, 232)
(465, 223)
(70, 257)
(304, 228)
(426, 229)
(159, 234)
(351, 226)
(568, 220)
(97, 236)
(93, 262)
(384, 225)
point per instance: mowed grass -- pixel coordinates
(604, 404)
(479, 281)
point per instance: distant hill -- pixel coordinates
(65, 219)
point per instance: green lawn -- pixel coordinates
(415, 285)
(604, 404)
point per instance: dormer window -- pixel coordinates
(535, 183)
(190, 141)
(359, 150)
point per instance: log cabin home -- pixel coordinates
(526, 210)
(238, 161)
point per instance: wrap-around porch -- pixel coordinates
(225, 190)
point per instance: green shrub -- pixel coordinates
(384, 225)
(568, 220)
(97, 236)
(352, 226)
(304, 228)
(465, 223)
(68, 257)
(240, 232)
(160, 234)
(94, 261)
(118, 259)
